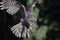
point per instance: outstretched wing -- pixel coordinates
(17, 9)
(12, 6)
(7, 3)
(31, 7)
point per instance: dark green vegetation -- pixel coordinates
(50, 20)
(41, 34)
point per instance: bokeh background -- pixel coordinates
(50, 30)
(49, 20)
(41, 34)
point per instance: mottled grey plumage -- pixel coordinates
(14, 7)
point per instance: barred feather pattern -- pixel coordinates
(30, 18)
(17, 29)
(12, 7)
(7, 3)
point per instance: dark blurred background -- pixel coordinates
(48, 12)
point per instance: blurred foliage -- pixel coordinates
(48, 29)
(41, 34)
